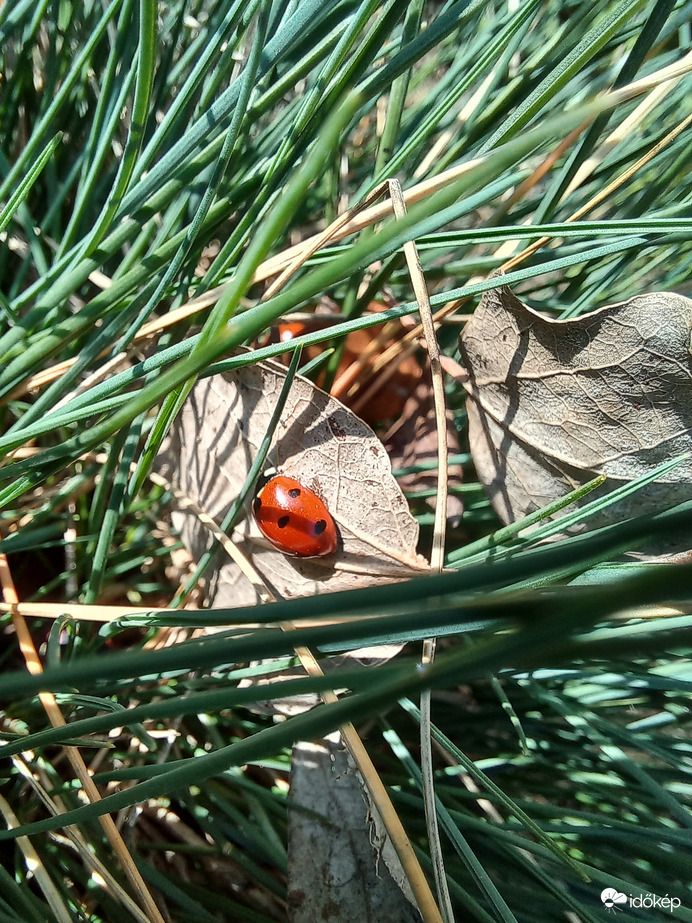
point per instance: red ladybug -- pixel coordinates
(294, 519)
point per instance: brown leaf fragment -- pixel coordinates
(339, 867)
(554, 403)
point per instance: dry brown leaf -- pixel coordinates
(334, 850)
(555, 403)
(212, 445)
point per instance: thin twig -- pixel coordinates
(33, 862)
(437, 554)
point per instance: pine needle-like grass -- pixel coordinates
(159, 166)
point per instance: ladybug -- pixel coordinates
(294, 519)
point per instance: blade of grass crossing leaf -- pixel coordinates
(245, 324)
(389, 239)
(508, 532)
(580, 553)
(166, 355)
(602, 503)
(435, 205)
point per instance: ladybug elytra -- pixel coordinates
(294, 519)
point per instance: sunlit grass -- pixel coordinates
(133, 136)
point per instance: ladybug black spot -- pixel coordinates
(256, 504)
(294, 492)
(320, 526)
(282, 522)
